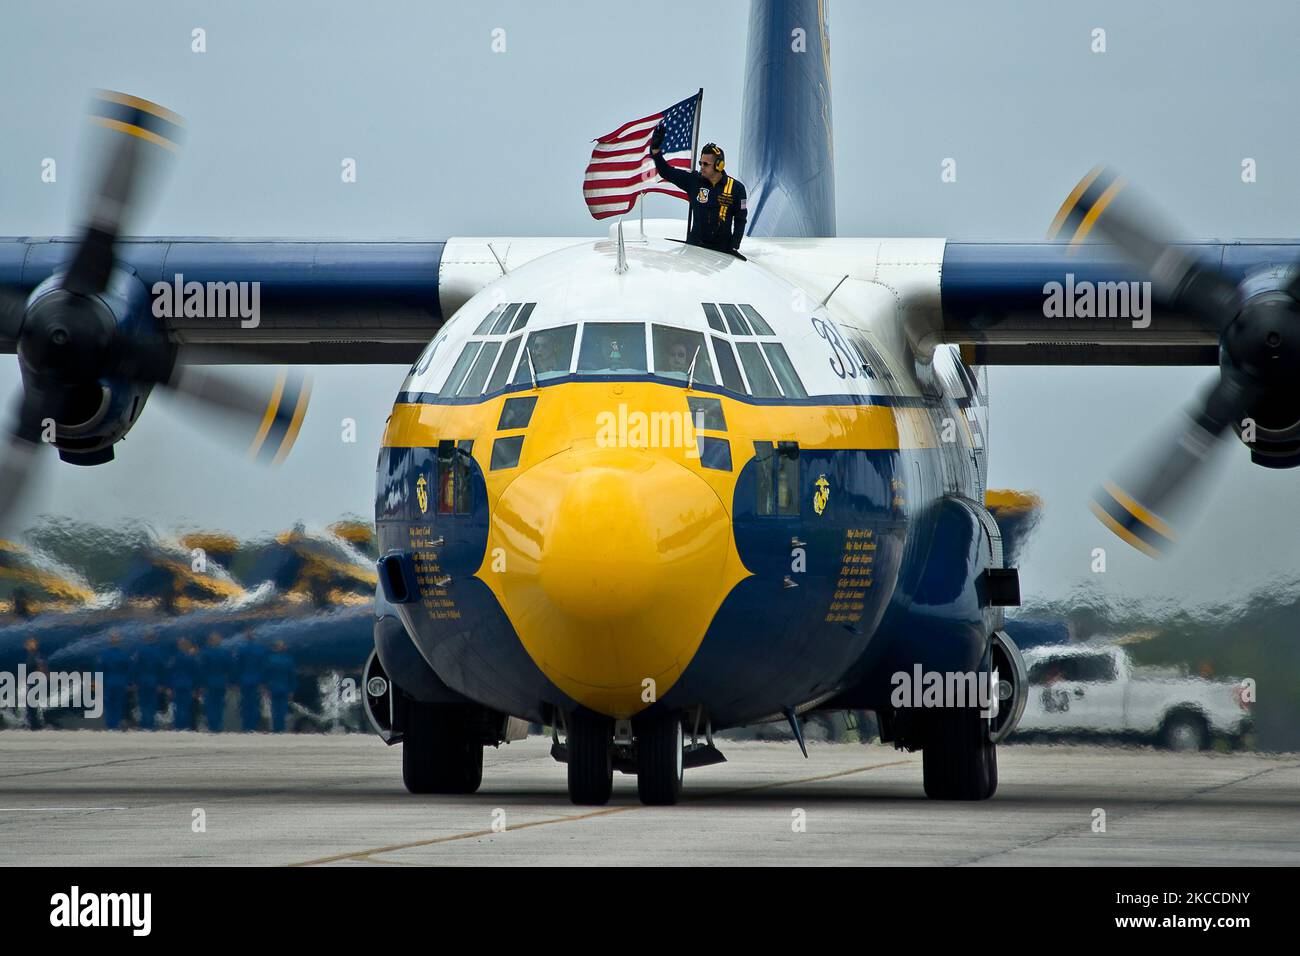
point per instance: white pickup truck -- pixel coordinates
(1095, 690)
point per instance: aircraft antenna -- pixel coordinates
(831, 293)
(621, 265)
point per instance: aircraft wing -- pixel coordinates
(314, 302)
(1003, 303)
(1024, 303)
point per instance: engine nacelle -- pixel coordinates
(67, 341)
(1272, 432)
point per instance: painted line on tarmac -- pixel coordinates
(365, 855)
(57, 809)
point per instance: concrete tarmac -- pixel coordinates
(94, 798)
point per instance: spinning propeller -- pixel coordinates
(1255, 394)
(74, 347)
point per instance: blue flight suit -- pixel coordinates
(35, 715)
(148, 675)
(184, 675)
(217, 666)
(252, 662)
(115, 665)
(281, 677)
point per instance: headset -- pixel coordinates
(713, 149)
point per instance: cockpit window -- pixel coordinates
(612, 347)
(734, 320)
(488, 322)
(502, 325)
(522, 318)
(757, 321)
(551, 351)
(504, 364)
(785, 372)
(760, 379)
(675, 349)
(715, 319)
(477, 377)
(727, 365)
(460, 369)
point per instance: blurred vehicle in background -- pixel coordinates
(1095, 691)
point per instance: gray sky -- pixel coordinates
(453, 139)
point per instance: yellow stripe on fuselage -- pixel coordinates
(570, 413)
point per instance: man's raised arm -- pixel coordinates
(683, 179)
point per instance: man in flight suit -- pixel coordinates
(718, 204)
(35, 663)
(148, 675)
(281, 676)
(182, 677)
(252, 661)
(115, 665)
(217, 665)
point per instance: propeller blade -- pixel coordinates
(22, 448)
(13, 310)
(271, 413)
(1147, 506)
(1101, 203)
(142, 125)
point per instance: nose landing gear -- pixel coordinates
(656, 753)
(660, 755)
(591, 759)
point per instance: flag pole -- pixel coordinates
(695, 141)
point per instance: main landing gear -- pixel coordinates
(656, 754)
(442, 752)
(958, 760)
(591, 759)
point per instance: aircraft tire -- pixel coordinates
(958, 761)
(591, 759)
(439, 753)
(659, 756)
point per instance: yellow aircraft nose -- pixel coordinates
(613, 562)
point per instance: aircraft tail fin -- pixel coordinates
(787, 159)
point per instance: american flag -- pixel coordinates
(621, 168)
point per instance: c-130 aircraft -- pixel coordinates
(644, 491)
